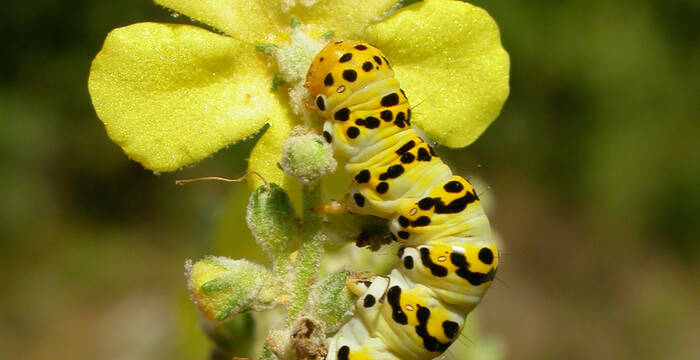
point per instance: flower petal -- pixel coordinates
(448, 58)
(347, 19)
(267, 153)
(170, 95)
(245, 20)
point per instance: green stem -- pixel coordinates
(281, 264)
(309, 254)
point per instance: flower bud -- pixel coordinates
(223, 287)
(274, 224)
(307, 157)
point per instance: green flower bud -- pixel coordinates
(274, 224)
(223, 287)
(331, 302)
(307, 157)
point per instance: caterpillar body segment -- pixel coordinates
(447, 258)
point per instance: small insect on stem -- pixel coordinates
(181, 182)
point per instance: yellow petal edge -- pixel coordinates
(267, 153)
(347, 19)
(448, 57)
(265, 21)
(251, 21)
(171, 95)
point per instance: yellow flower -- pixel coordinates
(171, 95)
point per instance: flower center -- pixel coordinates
(293, 60)
(288, 4)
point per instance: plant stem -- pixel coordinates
(309, 254)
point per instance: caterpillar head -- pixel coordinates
(340, 69)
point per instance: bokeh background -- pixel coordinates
(592, 169)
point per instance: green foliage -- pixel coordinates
(232, 336)
(330, 301)
(309, 254)
(223, 288)
(271, 219)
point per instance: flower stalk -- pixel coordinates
(308, 257)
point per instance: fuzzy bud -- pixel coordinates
(223, 287)
(274, 224)
(307, 157)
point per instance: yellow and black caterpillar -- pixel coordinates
(448, 259)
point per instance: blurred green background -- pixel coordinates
(592, 167)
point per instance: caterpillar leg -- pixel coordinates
(353, 342)
(356, 340)
(369, 290)
(334, 207)
(359, 283)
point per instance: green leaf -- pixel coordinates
(330, 301)
(271, 219)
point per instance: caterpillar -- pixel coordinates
(447, 257)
